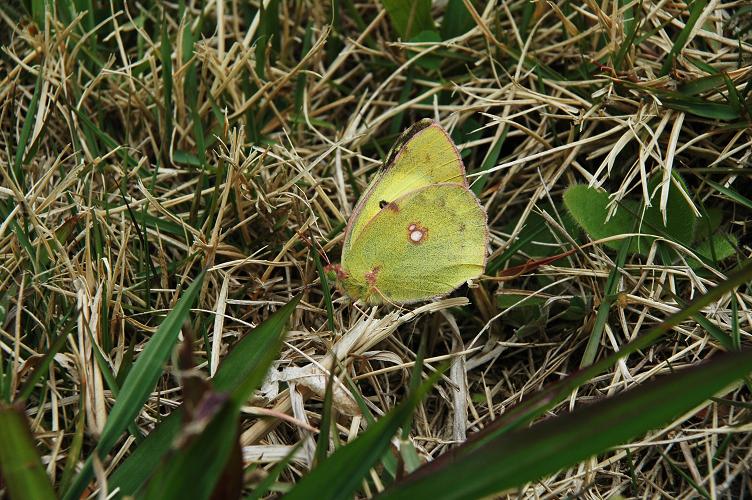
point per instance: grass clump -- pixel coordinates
(174, 177)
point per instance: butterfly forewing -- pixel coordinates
(423, 155)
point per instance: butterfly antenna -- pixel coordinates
(313, 243)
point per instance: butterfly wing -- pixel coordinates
(424, 244)
(424, 154)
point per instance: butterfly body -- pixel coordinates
(417, 232)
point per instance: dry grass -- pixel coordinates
(125, 196)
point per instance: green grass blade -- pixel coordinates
(140, 382)
(547, 399)
(165, 55)
(695, 11)
(733, 195)
(20, 466)
(147, 369)
(356, 458)
(325, 289)
(529, 454)
(23, 138)
(703, 108)
(631, 27)
(43, 367)
(241, 369)
(144, 460)
(74, 450)
(703, 84)
(325, 426)
(206, 455)
(204, 458)
(601, 317)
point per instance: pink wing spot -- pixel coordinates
(416, 233)
(371, 276)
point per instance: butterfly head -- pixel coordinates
(364, 290)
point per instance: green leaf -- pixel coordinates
(140, 464)
(532, 453)
(164, 224)
(428, 61)
(631, 28)
(357, 457)
(141, 380)
(23, 138)
(718, 247)
(147, 369)
(186, 158)
(20, 466)
(325, 289)
(680, 219)
(703, 84)
(42, 368)
(457, 20)
(165, 55)
(702, 108)
(733, 195)
(243, 368)
(589, 207)
(604, 310)
(409, 17)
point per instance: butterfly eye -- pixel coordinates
(383, 203)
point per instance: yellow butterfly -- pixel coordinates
(417, 232)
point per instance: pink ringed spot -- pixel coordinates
(416, 233)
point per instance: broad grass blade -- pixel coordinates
(140, 382)
(525, 455)
(20, 466)
(243, 368)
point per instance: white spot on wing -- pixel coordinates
(416, 235)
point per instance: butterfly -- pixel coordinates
(418, 232)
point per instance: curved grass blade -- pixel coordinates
(525, 455)
(547, 399)
(20, 466)
(140, 382)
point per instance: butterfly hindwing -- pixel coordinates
(425, 243)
